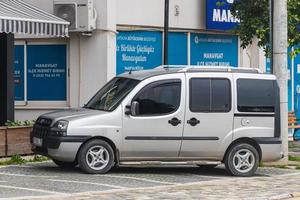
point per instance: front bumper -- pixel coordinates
(60, 148)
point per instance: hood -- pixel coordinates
(71, 114)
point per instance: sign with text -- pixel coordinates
(138, 50)
(296, 64)
(178, 48)
(214, 50)
(19, 72)
(219, 16)
(46, 72)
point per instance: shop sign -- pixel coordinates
(19, 72)
(138, 50)
(46, 72)
(214, 50)
(219, 16)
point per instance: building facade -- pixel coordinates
(53, 74)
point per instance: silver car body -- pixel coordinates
(152, 138)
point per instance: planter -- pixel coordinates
(2, 141)
(18, 140)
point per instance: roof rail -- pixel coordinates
(196, 68)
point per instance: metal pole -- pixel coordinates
(271, 8)
(166, 32)
(280, 45)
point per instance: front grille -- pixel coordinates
(41, 128)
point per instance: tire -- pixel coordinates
(65, 164)
(238, 164)
(96, 157)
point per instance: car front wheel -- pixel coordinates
(242, 160)
(96, 157)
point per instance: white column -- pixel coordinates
(280, 66)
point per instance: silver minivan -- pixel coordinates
(169, 114)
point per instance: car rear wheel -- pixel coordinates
(96, 157)
(65, 164)
(242, 160)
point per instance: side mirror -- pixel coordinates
(133, 109)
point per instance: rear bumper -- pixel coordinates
(271, 149)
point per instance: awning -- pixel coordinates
(17, 16)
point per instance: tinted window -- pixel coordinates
(159, 98)
(210, 95)
(221, 95)
(200, 95)
(255, 95)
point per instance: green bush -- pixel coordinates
(19, 123)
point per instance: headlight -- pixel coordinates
(61, 125)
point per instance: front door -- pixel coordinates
(209, 115)
(156, 130)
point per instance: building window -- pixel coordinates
(41, 75)
(46, 72)
(210, 95)
(255, 95)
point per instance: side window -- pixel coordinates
(255, 95)
(159, 98)
(210, 95)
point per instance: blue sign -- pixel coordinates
(138, 50)
(46, 72)
(19, 72)
(297, 85)
(214, 50)
(218, 15)
(178, 49)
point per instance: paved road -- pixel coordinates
(46, 180)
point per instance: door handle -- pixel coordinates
(174, 121)
(193, 121)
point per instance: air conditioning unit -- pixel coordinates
(80, 13)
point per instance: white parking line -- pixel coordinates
(30, 189)
(138, 179)
(89, 183)
(25, 175)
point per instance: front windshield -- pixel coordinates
(110, 96)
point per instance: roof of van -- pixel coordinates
(169, 69)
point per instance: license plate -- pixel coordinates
(37, 141)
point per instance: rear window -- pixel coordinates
(254, 95)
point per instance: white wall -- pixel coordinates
(151, 13)
(252, 56)
(92, 60)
